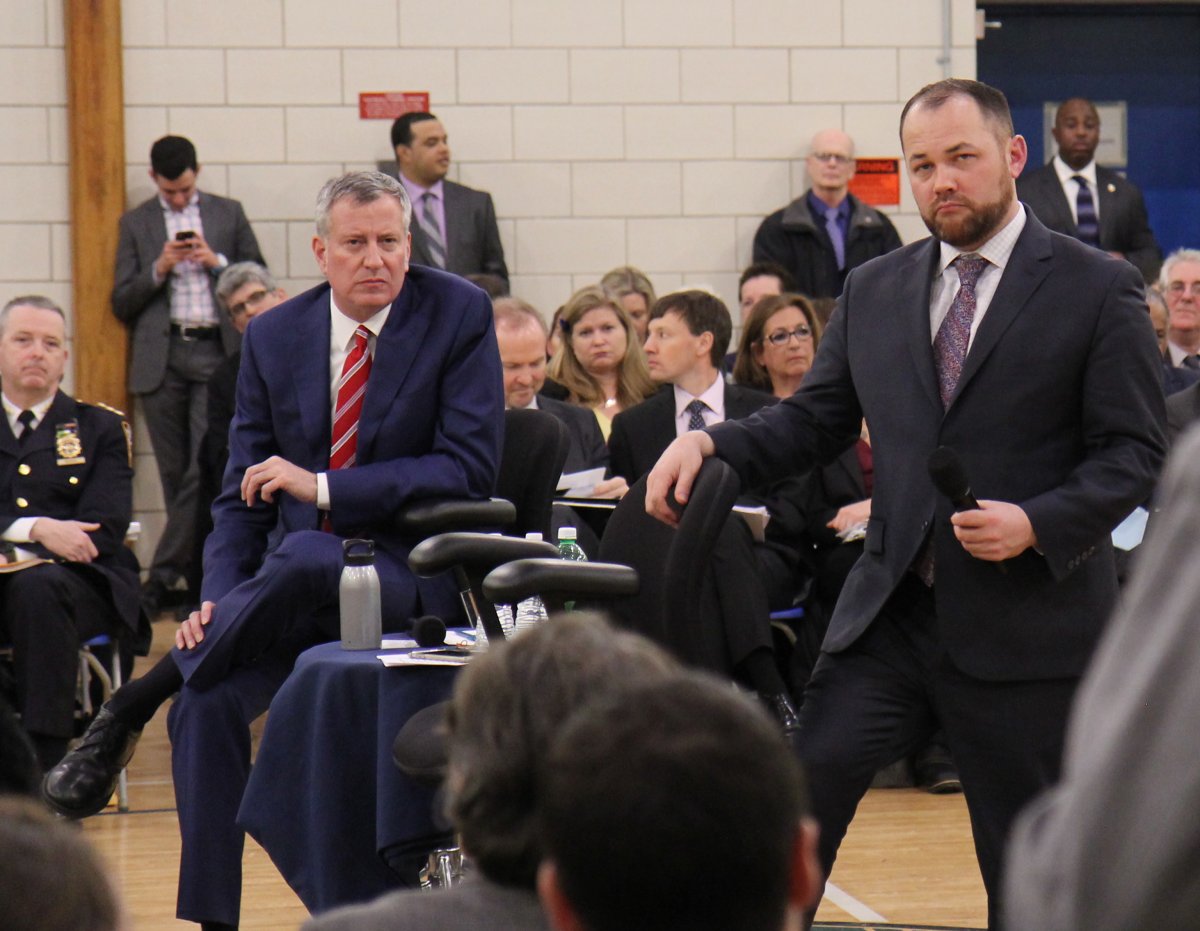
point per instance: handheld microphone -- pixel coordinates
(429, 631)
(950, 478)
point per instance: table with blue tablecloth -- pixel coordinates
(324, 798)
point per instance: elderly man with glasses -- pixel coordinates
(822, 235)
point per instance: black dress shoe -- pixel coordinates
(782, 710)
(938, 776)
(83, 782)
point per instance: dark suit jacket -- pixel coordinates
(1059, 409)
(472, 237)
(588, 449)
(145, 307)
(1124, 225)
(640, 434)
(97, 489)
(432, 421)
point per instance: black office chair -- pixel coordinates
(673, 564)
(535, 449)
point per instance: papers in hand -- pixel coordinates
(580, 484)
(756, 519)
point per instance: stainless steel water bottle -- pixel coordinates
(358, 597)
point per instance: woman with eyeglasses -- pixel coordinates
(779, 340)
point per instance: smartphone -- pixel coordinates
(184, 235)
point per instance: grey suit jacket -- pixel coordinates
(1124, 224)
(145, 307)
(473, 239)
(1113, 845)
(478, 904)
(1183, 408)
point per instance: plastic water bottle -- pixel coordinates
(569, 548)
(358, 597)
(531, 611)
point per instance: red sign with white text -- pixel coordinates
(387, 105)
(877, 182)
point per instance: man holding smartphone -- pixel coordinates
(170, 252)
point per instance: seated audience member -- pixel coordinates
(688, 334)
(1175, 378)
(1179, 282)
(779, 340)
(826, 232)
(66, 497)
(52, 879)
(689, 331)
(1112, 846)
(673, 806)
(555, 340)
(633, 289)
(521, 336)
(759, 280)
(600, 365)
(407, 357)
(508, 706)
(245, 290)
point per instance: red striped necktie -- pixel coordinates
(351, 388)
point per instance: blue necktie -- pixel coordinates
(695, 411)
(834, 228)
(1085, 214)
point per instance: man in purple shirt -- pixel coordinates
(454, 226)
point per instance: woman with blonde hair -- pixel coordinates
(779, 339)
(601, 364)
(633, 289)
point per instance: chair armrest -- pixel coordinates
(475, 553)
(555, 578)
(442, 515)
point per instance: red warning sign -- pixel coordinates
(877, 181)
(387, 105)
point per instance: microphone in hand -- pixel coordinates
(950, 478)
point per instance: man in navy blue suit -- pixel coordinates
(430, 425)
(1032, 357)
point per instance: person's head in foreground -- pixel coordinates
(675, 805)
(51, 879)
(508, 706)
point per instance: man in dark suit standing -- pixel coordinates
(455, 225)
(1074, 196)
(169, 253)
(66, 493)
(355, 398)
(1032, 357)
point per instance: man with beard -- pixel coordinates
(1032, 357)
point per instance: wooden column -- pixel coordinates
(96, 143)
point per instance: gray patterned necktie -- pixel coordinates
(433, 229)
(695, 412)
(954, 335)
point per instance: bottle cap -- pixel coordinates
(567, 533)
(533, 535)
(358, 552)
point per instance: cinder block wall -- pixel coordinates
(650, 132)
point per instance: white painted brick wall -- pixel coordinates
(653, 132)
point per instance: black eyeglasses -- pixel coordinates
(781, 337)
(253, 300)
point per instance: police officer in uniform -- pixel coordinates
(66, 496)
